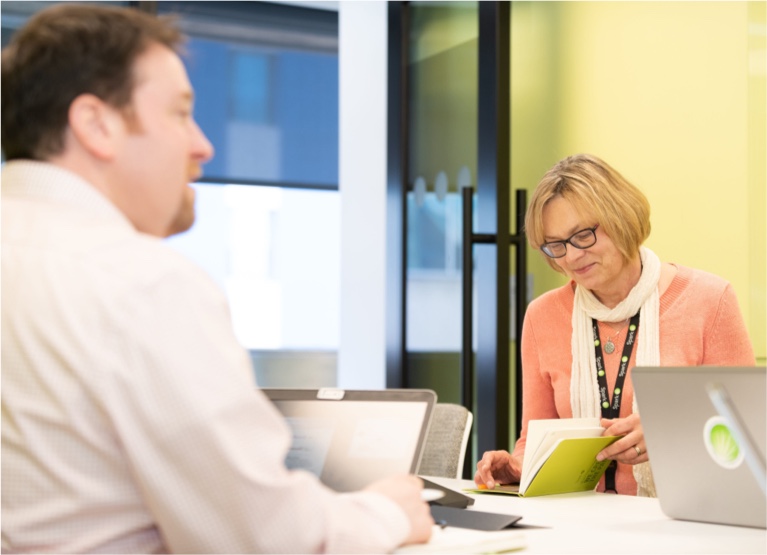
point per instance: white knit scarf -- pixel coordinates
(584, 390)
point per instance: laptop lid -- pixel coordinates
(350, 438)
(706, 434)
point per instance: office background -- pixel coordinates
(670, 93)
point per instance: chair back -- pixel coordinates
(446, 441)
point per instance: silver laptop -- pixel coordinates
(706, 434)
(350, 438)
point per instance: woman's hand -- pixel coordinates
(495, 468)
(630, 449)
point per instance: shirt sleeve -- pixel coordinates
(207, 448)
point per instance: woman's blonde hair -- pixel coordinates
(597, 192)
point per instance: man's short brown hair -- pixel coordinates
(63, 52)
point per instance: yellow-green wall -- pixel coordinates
(672, 94)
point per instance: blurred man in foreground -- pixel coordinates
(131, 422)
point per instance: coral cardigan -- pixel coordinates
(700, 323)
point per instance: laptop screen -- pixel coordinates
(350, 438)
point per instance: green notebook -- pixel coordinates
(560, 457)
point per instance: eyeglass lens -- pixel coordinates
(582, 240)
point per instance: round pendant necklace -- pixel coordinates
(609, 345)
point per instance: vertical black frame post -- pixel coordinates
(493, 216)
(467, 297)
(519, 240)
(397, 141)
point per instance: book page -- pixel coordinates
(542, 437)
(537, 429)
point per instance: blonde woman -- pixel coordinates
(590, 223)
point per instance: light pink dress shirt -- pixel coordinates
(130, 418)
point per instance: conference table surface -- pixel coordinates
(591, 522)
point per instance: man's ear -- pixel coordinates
(95, 125)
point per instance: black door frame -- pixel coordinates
(492, 261)
(491, 373)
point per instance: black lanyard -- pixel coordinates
(612, 409)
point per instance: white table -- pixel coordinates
(593, 522)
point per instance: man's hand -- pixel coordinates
(405, 491)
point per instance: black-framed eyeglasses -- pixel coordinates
(582, 239)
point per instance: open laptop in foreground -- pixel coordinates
(706, 434)
(350, 438)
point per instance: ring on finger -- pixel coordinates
(638, 450)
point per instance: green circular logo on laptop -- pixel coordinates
(721, 444)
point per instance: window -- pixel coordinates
(276, 253)
(266, 90)
(266, 94)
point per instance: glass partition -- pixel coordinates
(442, 126)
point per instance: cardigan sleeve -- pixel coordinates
(538, 400)
(701, 322)
(726, 340)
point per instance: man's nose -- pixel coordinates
(202, 149)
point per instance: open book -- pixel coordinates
(560, 457)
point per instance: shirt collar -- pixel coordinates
(49, 182)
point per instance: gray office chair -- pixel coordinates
(446, 442)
